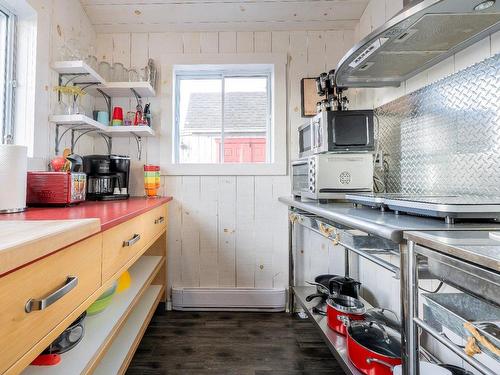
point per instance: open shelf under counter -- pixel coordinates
(335, 342)
(79, 67)
(123, 89)
(102, 329)
(118, 356)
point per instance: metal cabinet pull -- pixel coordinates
(160, 220)
(136, 237)
(41, 304)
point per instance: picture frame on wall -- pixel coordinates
(309, 97)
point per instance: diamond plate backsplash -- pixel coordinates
(445, 137)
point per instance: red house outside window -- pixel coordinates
(243, 150)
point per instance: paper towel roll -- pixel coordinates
(13, 173)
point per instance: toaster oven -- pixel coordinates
(331, 176)
(56, 188)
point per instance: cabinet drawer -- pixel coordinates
(155, 222)
(38, 297)
(120, 244)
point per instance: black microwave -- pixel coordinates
(342, 131)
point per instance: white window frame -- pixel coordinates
(8, 123)
(277, 134)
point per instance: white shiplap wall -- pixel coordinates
(58, 21)
(225, 231)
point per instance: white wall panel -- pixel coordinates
(225, 230)
(191, 42)
(209, 42)
(227, 42)
(262, 41)
(244, 42)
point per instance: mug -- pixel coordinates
(103, 117)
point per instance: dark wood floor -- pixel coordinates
(213, 343)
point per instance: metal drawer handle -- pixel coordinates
(132, 241)
(41, 304)
(160, 220)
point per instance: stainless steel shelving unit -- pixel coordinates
(369, 233)
(469, 261)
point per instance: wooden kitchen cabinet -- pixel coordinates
(120, 244)
(95, 263)
(22, 329)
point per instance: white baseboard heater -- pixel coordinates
(229, 299)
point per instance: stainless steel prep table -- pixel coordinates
(386, 225)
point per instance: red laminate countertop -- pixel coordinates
(110, 213)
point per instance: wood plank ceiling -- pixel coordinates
(222, 15)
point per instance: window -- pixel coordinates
(223, 115)
(7, 49)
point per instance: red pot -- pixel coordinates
(371, 346)
(341, 307)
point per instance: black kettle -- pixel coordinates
(345, 286)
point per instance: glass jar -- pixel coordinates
(118, 72)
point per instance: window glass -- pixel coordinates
(200, 120)
(246, 115)
(3, 56)
(222, 117)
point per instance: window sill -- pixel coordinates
(275, 169)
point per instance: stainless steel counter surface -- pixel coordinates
(479, 247)
(383, 224)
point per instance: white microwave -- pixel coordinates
(331, 176)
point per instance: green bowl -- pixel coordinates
(103, 301)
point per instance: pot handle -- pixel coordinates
(315, 310)
(384, 309)
(332, 283)
(379, 361)
(320, 286)
(344, 319)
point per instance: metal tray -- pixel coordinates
(452, 310)
(479, 281)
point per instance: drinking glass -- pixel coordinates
(105, 70)
(144, 74)
(133, 76)
(118, 72)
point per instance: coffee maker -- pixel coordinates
(107, 177)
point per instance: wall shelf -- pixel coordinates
(76, 68)
(102, 329)
(79, 122)
(82, 122)
(125, 131)
(123, 89)
(112, 89)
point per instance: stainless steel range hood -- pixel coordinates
(418, 37)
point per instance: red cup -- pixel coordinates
(118, 113)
